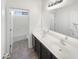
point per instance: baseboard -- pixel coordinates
(6, 56)
(20, 37)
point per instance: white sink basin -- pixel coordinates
(56, 35)
(72, 41)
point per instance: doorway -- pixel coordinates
(17, 26)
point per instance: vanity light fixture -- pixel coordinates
(54, 3)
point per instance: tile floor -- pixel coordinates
(21, 51)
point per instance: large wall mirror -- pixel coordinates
(66, 21)
(63, 20)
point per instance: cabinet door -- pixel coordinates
(45, 54)
(33, 42)
(37, 45)
(53, 57)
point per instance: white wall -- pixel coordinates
(3, 28)
(64, 19)
(47, 20)
(47, 17)
(34, 7)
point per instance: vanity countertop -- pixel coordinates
(52, 42)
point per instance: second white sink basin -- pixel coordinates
(67, 51)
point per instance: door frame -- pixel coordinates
(10, 29)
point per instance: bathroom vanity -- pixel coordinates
(41, 50)
(52, 45)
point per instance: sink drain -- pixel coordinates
(60, 49)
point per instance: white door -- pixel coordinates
(18, 26)
(21, 26)
(9, 31)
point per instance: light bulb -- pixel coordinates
(12, 13)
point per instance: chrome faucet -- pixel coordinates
(44, 33)
(64, 40)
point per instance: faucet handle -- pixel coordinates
(62, 42)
